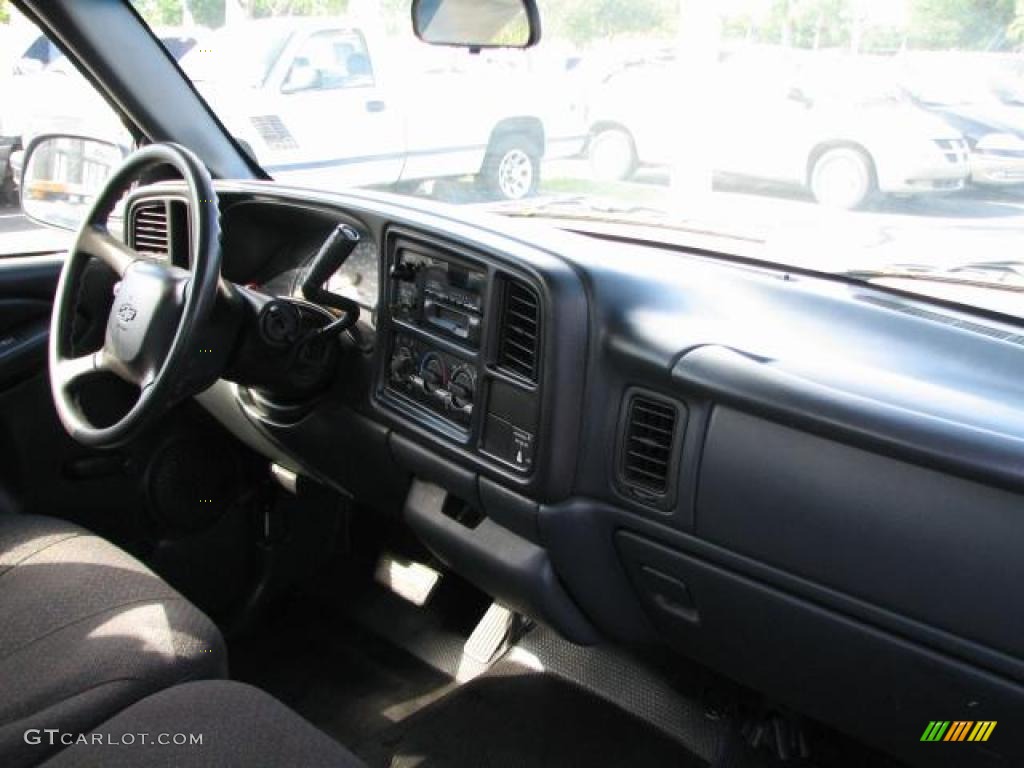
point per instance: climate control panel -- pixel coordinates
(433, 378)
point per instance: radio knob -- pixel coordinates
(463, 387)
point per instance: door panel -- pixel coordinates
(26, 293)
(43, 471)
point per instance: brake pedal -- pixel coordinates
(408, 579)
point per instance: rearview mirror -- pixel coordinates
(62, 175)
(477, 23)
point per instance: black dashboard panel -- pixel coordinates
(520, 430)
(883, 536)
(830, 471)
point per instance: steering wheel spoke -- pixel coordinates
(98, 242)
(74, 369)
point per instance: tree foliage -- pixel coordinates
(582, 21)
(939, 24)
(967, 24)
(211, 13)
(960, 24)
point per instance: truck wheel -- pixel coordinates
(612, 155)
(843, 178)
(511, 169)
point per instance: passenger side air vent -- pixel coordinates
(648, 445)
(519, 342)
(149, 229)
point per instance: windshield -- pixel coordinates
(242, 54)
(950, 79)
(878, 139)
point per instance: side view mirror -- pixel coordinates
(477, 24)
(62, 175)
(303, 76)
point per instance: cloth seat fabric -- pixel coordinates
(239, 726)
(85, 631)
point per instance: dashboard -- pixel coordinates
(695, 456)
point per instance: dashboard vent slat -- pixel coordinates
(519, 341)
(648, 445)
(149, 228)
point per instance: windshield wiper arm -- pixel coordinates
(1002, 275)
(576, 205)
(587, 208)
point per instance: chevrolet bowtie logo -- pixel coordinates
(126, 313)
(958, 730)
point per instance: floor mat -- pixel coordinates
(341, 678)
(515, 716)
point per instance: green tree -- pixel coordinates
(962, 24)
(1015, 31)
(261, 8)
(211, 13)
(160, 12)
(584, 21)
(797, 23)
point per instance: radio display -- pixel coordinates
(454, 284)
(466, 279)
(433, 292)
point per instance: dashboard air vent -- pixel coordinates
(647, 449)
(149, 228)
(519, 343)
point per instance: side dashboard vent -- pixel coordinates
(519, 342)
(149, 228)
(648, 445)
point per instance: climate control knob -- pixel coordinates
(462, 385)
(403, 364)
(433, 372)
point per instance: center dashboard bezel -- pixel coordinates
(482, 356)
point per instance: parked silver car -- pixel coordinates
(835, 126)
(979, 95)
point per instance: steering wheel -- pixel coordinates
(154, 328)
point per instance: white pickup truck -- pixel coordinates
(318, 102)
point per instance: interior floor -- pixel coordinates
(391, 680)
(394, 708)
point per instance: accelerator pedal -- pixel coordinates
(497, 630)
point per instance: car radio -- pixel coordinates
(437, 294)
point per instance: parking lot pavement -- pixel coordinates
(13, 220)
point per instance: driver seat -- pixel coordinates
(85, 631)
